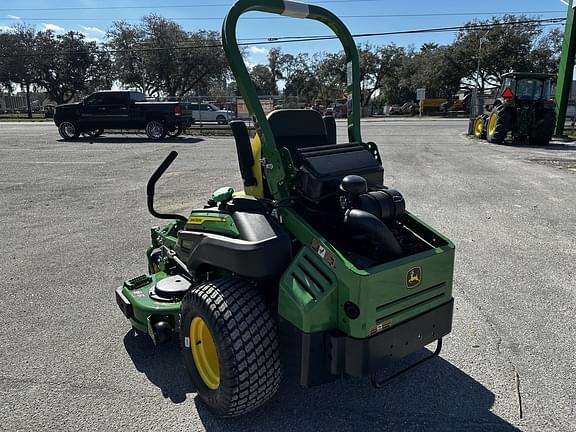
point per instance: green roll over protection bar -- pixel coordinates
(273, 165)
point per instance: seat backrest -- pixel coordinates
(298, 128)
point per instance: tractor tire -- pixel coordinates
(480, 127)
(498, 125)
(229, 344)
(69, 130)
(544, 129)
(155, 130)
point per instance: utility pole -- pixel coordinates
(566, 71)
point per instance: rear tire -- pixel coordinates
(544, 129)
(498, 126)
(69, 130)
(155, 130)
(176, 132)
(221, 120)
(230, 346)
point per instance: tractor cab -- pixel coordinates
(526, 88)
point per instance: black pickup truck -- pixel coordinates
(121, 110)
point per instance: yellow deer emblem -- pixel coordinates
(414, 277)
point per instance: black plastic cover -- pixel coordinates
(330, 124)
(123, 303)
(262, 251)
(323, 168)
(244, 150)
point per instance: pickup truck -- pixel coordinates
(121, 110)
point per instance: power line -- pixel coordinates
(205, 5)
(423, 15)
(299, 39)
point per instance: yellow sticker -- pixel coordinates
(199, 220)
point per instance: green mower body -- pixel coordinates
(351, 280)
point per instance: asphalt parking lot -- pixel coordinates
(75, 226)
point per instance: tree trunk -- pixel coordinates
(28, 104)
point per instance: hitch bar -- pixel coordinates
(381, 383)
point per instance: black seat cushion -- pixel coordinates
(297, 128)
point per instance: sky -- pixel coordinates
(361, 16)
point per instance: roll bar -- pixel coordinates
(273, 166)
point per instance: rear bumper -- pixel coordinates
(124, 304)
(324, 356)
(184, 121)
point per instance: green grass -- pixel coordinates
(23, 118)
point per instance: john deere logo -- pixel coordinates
(414, 277)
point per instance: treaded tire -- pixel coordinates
(544, 129)
(155, 130)
(69, 130)
(176, 132)
(500, 129)
(245, 336)
(480, 127)
(221, 120)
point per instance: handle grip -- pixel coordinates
(150, 188)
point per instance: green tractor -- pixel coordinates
(315, 264)
(524, 107)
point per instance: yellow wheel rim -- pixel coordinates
(204, 353)
(478, 127)
(492, 123)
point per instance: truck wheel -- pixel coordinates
(544, 129)
(498, 126)
(155, 130)
(177, 131)
(221, 120)
(69, 130)
(229, 343)
(479, 129)
(94, 133)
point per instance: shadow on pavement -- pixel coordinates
(552, 146)
(134, 139)
(437, 396)
(162, 365)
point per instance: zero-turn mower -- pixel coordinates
(315, 257)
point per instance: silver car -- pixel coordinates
(206, 112)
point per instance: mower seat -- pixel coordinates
(298, 128)
(322, 163)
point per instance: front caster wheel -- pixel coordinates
(230, 346)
